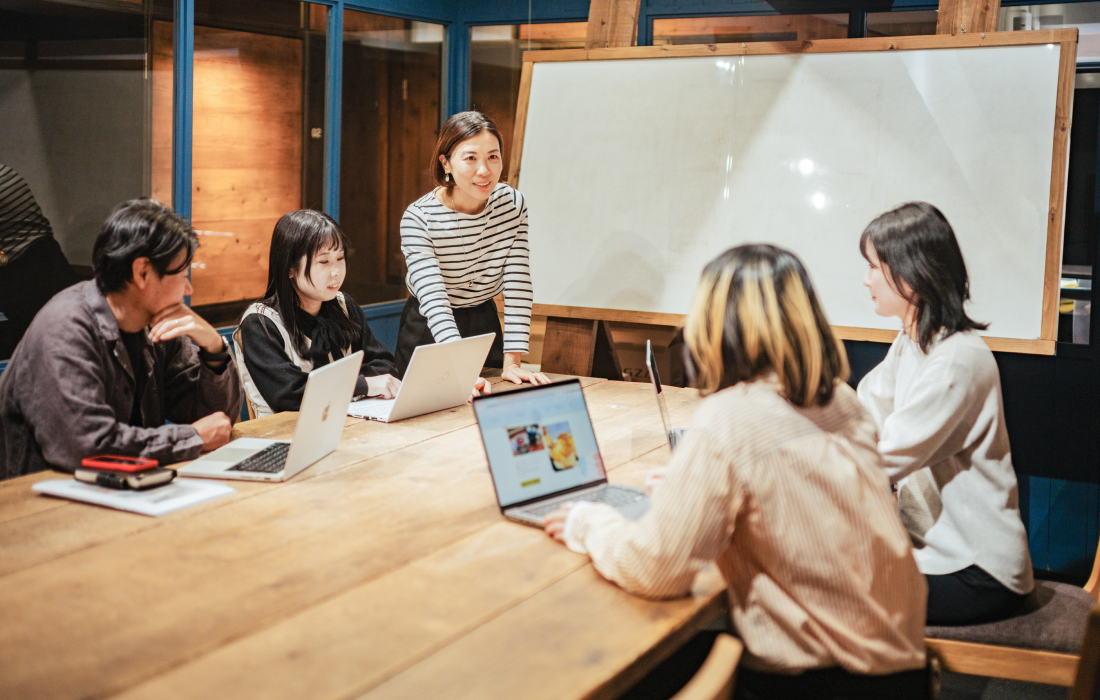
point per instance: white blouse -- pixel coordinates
(942, 434)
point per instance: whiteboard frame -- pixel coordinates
(1046, 344)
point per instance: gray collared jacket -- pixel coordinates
(68, 391)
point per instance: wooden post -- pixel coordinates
(581, 347)
(966, 16)
(612, 24)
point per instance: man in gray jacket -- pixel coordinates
(106, 364)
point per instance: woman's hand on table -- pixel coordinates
(512, 372)
(482, 387)
(554, 525)
(214, 430)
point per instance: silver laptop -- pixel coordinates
(674, 434)
(439, 376)
(316, 434)
(542, 453)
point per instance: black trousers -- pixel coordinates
(26, 284)
(476, 320)
(969, 597)
(826, 684)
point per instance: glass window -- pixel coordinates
(910, 23)
(74, 132)
(255, 106)
(725, 30)
(496, 59)
(1085, 16)
(390, 121)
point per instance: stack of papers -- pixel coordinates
(178, 494)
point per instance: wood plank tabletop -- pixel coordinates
(384, 569)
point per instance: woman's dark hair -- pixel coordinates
(457, 129)
(297, 237)
(756, 312)
(917, 244)
(140, 228)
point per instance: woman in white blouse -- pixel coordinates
(936, 400)
(779, 482)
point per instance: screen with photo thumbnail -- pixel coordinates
(538, 442)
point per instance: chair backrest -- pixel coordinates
(714, 679)
(1087, 684)
(1093, 585)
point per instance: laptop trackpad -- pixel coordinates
(636, 510)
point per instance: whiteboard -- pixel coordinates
(638, 172)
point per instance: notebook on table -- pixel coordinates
(439, 376)
(674, 434)
(316, 432)
(542, 453)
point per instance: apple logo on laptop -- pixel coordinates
(324, 413)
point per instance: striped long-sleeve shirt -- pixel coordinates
(21, 219)
(794, 506)
(460, 260)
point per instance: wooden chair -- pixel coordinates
(234, 347)
(714, 679)
(1042, 644)
(1087, 685)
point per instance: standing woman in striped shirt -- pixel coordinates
(464, 243)
(779, 481)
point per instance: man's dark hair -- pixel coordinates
(140, 228)
(918, 245)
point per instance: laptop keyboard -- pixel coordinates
(270, 459)
(372, 409)
(611, 496)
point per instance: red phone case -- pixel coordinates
(119, 463)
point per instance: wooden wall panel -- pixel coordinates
(494, 91)
(390, 126)
(363, 162)
(413, 128)
(246, 158)
(161, 118)
(713, 29)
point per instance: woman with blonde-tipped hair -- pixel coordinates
(778, 481)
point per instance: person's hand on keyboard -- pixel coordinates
(554, 524)
(384, 386)
(653, 478)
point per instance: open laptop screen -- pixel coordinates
(539, 441)
(655, 378)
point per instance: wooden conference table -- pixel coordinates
(383, 571)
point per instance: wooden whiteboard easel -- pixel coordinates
(1045, 262)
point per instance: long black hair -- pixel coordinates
(918, 245)
(297, 237)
